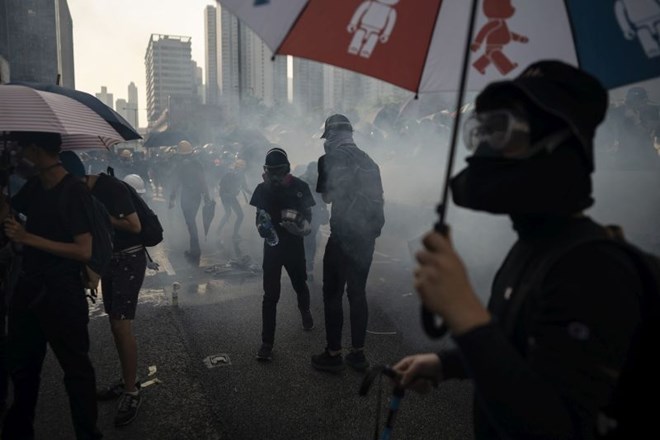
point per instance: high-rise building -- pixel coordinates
(36, 40)
(308, 85)
(230, 37)
(247, 67)
(170, 72)
(121, 106)
(211, 52)
(106, 98)
(266, 76)
(132, 105)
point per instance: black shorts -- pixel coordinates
(122, 283)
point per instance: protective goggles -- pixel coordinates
(496, 129)
(279, 170)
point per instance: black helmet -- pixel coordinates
(276, 157)
(336, 122)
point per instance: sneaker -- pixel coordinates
(326, 362)
(113, 391)
(357, 361)
(307, 320)
(265, 353)
(127, 409)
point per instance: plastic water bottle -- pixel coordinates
(266, 224)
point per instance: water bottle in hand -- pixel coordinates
(266, 229)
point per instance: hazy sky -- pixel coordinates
(111, 37)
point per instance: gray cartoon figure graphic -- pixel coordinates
(640, 19)
(372, 21)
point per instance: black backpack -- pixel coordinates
(367, 205)
(152, 231)
(628, 415)
(102, 235)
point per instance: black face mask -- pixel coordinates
(556, 184)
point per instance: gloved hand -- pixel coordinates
(299, 230)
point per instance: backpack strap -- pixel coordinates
(532, 276)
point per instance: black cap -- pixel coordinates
(276, 157)
(571, 94)
(336, 122)
(72, 163)
(637, 94)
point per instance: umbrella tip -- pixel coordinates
(272, 58)
(416, 96)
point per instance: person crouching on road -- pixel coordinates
(121, 283)
(283, 205)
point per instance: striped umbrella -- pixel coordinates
(24, 108)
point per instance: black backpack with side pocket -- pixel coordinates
(367, 204)
(152, 231)
(631, 413)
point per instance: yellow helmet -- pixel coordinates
(184, 147)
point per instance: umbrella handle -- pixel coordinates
(432, 327)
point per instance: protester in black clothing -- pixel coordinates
(49, 303)
(189, 179)
(231, 185)
(320, 216)
(356, 219)
(545, 365)
(287, 200)
(121, 283)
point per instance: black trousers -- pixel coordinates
(310, 247)
(230, 204)
(290, 254)
(346, 265)
(190, 203)
(59, 319)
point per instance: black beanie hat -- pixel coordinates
(568, 93)
(276, 157)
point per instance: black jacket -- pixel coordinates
(546, 372)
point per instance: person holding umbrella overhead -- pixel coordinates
(546, 354)
(49, 305)
(189, 179)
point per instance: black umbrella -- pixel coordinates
(208, 212)
(113, 118)
(167, 138)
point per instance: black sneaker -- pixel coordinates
(265, 353)
(127, 409)
(307, 320)
(326, 362)
(357, 361)
(113, 391)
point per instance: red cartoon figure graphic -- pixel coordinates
(373, 20)
(496, 34)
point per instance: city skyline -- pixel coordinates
(106, 56)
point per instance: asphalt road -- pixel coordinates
(219, 316)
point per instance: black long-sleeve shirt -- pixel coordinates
(549, 378)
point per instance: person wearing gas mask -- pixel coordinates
(545, 363)
(350, 180)
(283, 218)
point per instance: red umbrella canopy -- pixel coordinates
(419, 45)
